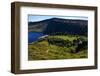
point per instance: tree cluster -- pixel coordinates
(79, 43)
(59, 42)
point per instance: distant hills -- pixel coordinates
(53, 25)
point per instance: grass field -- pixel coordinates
(43, 50)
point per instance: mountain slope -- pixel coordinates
(55, 25)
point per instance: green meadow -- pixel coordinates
(58, 47)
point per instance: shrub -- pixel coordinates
(59, 42)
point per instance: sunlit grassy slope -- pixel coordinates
(42, 50)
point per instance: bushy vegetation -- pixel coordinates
(59, 42)
(58, 47)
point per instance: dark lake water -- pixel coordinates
(33, 36)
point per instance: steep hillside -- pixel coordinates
(56, 25)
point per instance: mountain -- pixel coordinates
(53, 25)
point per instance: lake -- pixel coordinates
(33, 36)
